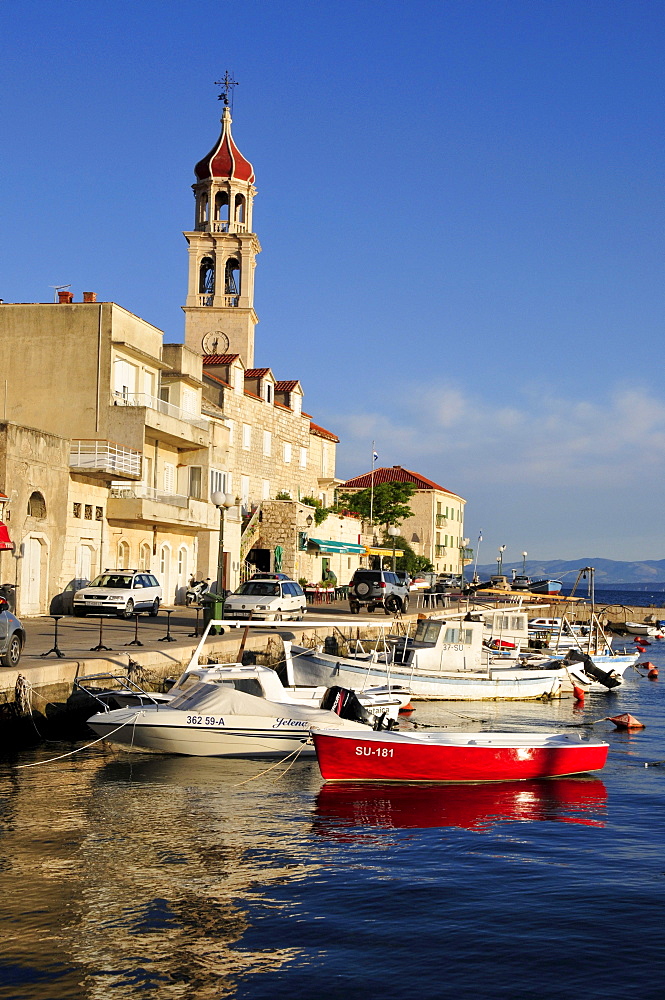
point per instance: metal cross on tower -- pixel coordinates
(226, 83)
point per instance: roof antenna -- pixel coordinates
(226, 83)
(58, 288)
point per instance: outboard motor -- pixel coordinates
(608, 678)
(345, 703)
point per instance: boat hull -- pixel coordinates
(453, 757)
(497, 684)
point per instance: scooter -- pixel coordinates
(196, 590)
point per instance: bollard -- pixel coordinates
(54, 648)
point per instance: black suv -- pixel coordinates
(378, 588)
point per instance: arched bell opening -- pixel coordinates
(232, 281)
(240, 206)
(222, 211)
(207, 281)
(202, 211)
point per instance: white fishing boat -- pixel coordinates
(443, 661)
(649, 629)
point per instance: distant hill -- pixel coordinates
(610, 573)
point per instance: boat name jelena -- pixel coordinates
(303, 723)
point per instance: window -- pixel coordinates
(267, 444)
(268, 392)
(207, 281)
(246, 437)
(220, 482)
(303, 458)
(147, 471)
(87, 512)
(99, 513)
(123, 555)
(77, 510)
(287, 453)
(195, 482)
(296, 402)
(190, 401)
(149, 383)
(266, 489)
(244, 490)
(164, 393)
(124, 378)
(36, 505)
(144, 556)
(168, 475)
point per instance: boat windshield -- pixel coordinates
(427, 632)
(259, 588)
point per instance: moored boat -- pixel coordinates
(452, 757)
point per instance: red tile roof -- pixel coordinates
(321, 432)
(219, 359)
(256, 372)
(225, 159)
(395, 474)
(286, 386)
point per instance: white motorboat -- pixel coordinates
(442, 661)
(236, 710)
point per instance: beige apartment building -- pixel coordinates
(113, 442)
(436, 529)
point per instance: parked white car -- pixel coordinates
(267, 599)
(122, 592)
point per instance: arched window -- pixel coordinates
(144, 556)
(182, 566)
(207, 280)
(37, 505)
(123, 554)
(232, 281)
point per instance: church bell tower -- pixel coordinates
(219, 312)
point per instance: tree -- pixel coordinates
(386, 504)
(320, 512)
(410, 562)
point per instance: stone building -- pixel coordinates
(436, 529)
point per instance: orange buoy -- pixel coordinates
(626, 721)
(406, 708)
(653, 674)
(578, 692)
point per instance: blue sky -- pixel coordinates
(461, 212)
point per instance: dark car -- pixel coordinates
(378, 588)
(12, 636)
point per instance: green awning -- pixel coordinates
(342, 548)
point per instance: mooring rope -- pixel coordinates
(294, 753)
(50, 760)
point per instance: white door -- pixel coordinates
(165, 573)
(84, 571)
(32, 577)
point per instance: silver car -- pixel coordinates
(122, 592)
(12, 636)
(268, 599)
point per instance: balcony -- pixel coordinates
(104, 458)
(441, 520)
(221, 226)
(440, 550)
(154, 403)
(141, 503)
(131, 415)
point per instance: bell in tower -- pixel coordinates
(222, 250)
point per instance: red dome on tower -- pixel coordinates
(225, 159)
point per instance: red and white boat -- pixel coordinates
(363, 755)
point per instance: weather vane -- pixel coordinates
(226, 83)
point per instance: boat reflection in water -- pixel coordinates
(469, 806)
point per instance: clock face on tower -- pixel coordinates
(215, 343)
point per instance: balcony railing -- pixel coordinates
(153, 403)
(440, 550)
(104, 456)
(221, 226)
(441, 520)
(141, 492)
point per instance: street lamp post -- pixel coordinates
(222, 501)
(524, 555)
(393, 532)
(502, 549)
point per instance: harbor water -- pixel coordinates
(127, 875)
